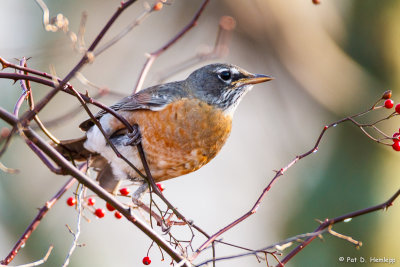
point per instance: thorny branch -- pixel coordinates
(43, 150)
(279, 173)
(305, 239)
(154, 55)
(78, 228)
(28, 116)
(129, 28)
(34, 224)
(221, 48)
(80, 97)
(92, 185)
(328, 222)
(36, 263)
(62, 85)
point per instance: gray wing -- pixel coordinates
(152, 98)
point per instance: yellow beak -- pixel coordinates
(257, 78)
(253, 79)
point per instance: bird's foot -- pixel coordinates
(139, 193)
(134, 137)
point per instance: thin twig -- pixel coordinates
(6, 169)
(279, 173)
(324, 227)
(329, 222)
(92, 185)
(44, 159)
(28, 116)
(154, 55)
(36, 221)
(36, 263)
(78, 228)
(87, 99)
(155, 188)
(221, 48)
(26, 87)
(79, 45)
(83, 99)
(24, 93)
(344, 237)
(125, 31)
(69, 115)
(8, 140)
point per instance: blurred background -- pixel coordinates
(329, 61)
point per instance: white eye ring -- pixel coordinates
(225, 75)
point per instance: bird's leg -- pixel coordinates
(139, 193)
(134, 137)
(136, 199)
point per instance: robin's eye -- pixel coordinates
(225, 75)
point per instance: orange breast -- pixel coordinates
(182, 137)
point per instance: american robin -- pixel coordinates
(183, 125)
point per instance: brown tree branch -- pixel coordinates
(29, 115)
(36, 221)
(69, 89)
(92, 185)
(125, 31)
(308, 237)
(36, 263)
(154, 55)
(329, 222)
(279, 173)
(221, 47)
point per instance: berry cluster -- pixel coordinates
(396, 142)
(389, 103)
(100, 213)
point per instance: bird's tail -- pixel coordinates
(73, 149)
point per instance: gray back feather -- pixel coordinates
(152, 98)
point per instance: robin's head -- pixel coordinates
(222, 85)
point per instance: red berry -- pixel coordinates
(71, 201)
(124, 191)
(396, 145)
(387, 94)
(4, 132)
(396, 135)
(160, 186)
(118, 215)
(109, 207)
(158, 6)
(91, 201)
(99, 213)
(397, 108)
(389, 103)
(146, 261)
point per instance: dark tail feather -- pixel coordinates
(105, 176)
(74, 149)
(107, 180)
